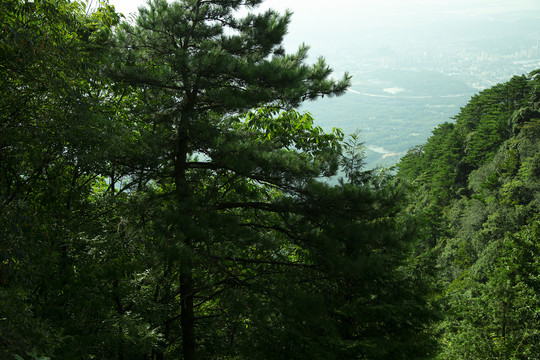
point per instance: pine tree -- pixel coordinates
(247, 237)
(195, 66)
(162, 198)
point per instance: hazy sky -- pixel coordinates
(312, 17)
(371, 10)
(363, 24)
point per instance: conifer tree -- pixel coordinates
(194, 64)
(163, 199)
(239, 219)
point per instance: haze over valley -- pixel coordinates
(412, 75)
(414, 64)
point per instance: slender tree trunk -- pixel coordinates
(187, 317)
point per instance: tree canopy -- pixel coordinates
(475, 182)
(162, 198)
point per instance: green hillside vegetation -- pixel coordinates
(476, 184)
(161, 197)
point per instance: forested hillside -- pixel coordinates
(476, 183)
(160, 198)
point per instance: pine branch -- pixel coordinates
(266, 262)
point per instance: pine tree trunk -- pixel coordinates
(187, 318)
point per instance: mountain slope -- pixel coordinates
(476, 187)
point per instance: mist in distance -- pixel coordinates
(414, 63)
(351, 33)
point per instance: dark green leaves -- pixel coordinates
(476, 185)
(161, 199)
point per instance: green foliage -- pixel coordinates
(483, 174)
(51, 128)
(445, 162)
(160, 198)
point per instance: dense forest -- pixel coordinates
(476, 184)
(161, 198)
